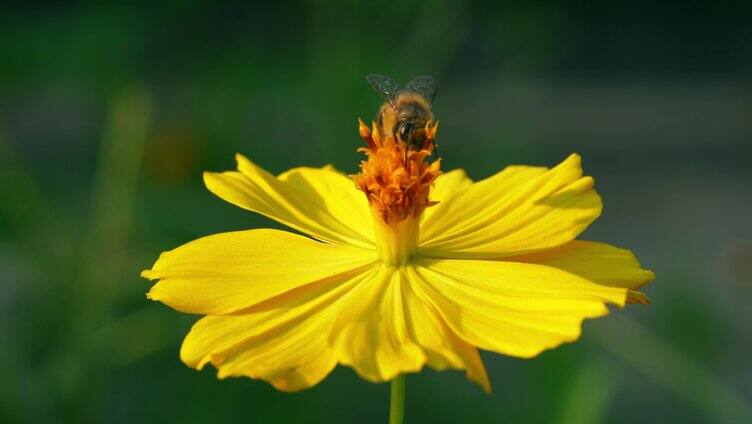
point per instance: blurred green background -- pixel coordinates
(109, 114)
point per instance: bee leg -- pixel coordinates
(435, 151)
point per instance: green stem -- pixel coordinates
(397, 404)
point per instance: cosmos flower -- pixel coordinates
(394, 269)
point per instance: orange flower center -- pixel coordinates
(396, 180)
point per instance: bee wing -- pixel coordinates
(424, 85)
(384, 86)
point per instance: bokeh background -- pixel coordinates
(109, 114)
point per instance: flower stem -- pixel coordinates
(397, 404)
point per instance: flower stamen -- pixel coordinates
(396, 181)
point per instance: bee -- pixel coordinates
(406, 111)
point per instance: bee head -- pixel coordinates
(413, 113)
(412, 134)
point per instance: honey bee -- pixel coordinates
(407, 110)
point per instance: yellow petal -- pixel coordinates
(320, 202)
(282, 341)
(519, 210)
(516, 309)
(637, 297)
(598, 262)
(371, 335)
(443, 348)
(229, 272)
(446, 185)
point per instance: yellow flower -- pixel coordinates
(424, 269)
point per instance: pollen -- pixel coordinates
(397, 180)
